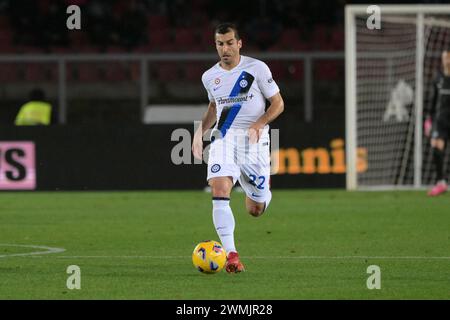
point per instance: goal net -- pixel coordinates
(389, 86)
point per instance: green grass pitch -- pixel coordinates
(309, 245)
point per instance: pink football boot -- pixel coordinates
(438, 189)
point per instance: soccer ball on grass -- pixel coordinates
(209, 257)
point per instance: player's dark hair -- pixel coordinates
(227, 27)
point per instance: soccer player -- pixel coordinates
(238, 87)
(437, 124)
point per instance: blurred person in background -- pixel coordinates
(437, 124)
(37, 111)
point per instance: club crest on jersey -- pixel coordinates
(215, 168)
(217, 81)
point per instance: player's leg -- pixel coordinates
(256, 200)
(438, 147)
(254, 208)
(222, 175)
(255, 178)
(224, 220)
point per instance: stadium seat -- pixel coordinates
(88, 49)
(291, 40)
(157, 22)
(160, 40)
(28, 49)
(78, 38)
(185, 40)
(146, 48)
(115, 49)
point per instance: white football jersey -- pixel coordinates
(240, 93)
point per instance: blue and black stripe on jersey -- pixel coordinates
(229, 113)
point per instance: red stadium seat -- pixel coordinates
(88, 49)
(157, 22)
(59, 50)
(28, 49)
(290, 40)
(160, 40)
(115, 49)
(143, 48)
(78, 38)
(185, 40)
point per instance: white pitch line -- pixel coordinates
(267, 257)
(34, 253)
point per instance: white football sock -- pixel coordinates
(224, 222)
(268, 200)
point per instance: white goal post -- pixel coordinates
(389, 84)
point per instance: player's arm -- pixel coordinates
(209, 118)
(275, 109)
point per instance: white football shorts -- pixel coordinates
(235, 157)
